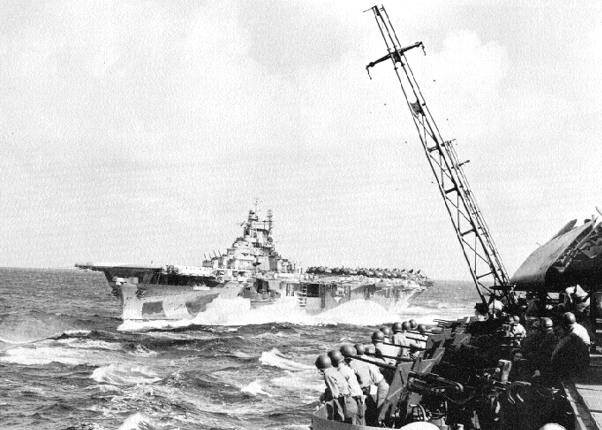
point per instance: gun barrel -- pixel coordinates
(414, 348)
(376, 363)
(393, 357)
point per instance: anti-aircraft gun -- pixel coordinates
(427, 387)
(450, 382)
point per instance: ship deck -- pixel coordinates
(585, 392)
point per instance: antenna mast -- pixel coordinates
(471, 230)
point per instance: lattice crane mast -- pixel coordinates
(472, 232)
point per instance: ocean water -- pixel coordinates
(67, 360)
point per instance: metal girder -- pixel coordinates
(472, 232)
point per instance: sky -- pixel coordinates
(144, 131)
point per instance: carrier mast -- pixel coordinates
(471, 229)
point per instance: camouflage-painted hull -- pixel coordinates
(328, 293)
(169, 302)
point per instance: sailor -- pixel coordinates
(534, 307)
(530, 345)
(396, 328)
(541, 359)
(576, 299)
(387, 332)
(400, 338)
(513, 330)
(380, 350)
(370, 351)
(549, 337)
(354, 401)
(336, 389)
(486, 321)
(516, 328)
(570, 322)
(381, 384)
(496, 308)
(371, 381)
(420, 343)
(571, 355)
(528, 351)
(386, 346)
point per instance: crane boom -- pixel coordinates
(470, 227)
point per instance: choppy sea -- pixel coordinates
(68, 361)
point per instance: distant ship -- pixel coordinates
(252, 269)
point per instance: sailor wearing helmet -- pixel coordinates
(336, 389)
(354, 401)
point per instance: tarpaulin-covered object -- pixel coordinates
(573, 256)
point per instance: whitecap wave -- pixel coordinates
(275, 358)
(143, 351)
(90, 344)
(308, 382)
(278, 334)
(124, 375)
(70, 351)
(39, 355)
(255, 388)
(138, 421)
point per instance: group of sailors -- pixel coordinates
(551, 350)
(552, 346)
(356, 387)
(558, 336)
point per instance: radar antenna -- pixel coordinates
(270, 221)
(471, 230)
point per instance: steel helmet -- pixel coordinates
(378, 336)
(568, 319)
(547, 323)
(516, 319)
(420, 425)
(336, 357)
(386, 331)
(323, 362)
(348, 351)
(396, 327)
(552, 426)
(359, 347)
(406, 326)
(422, 328)
(413, 324)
